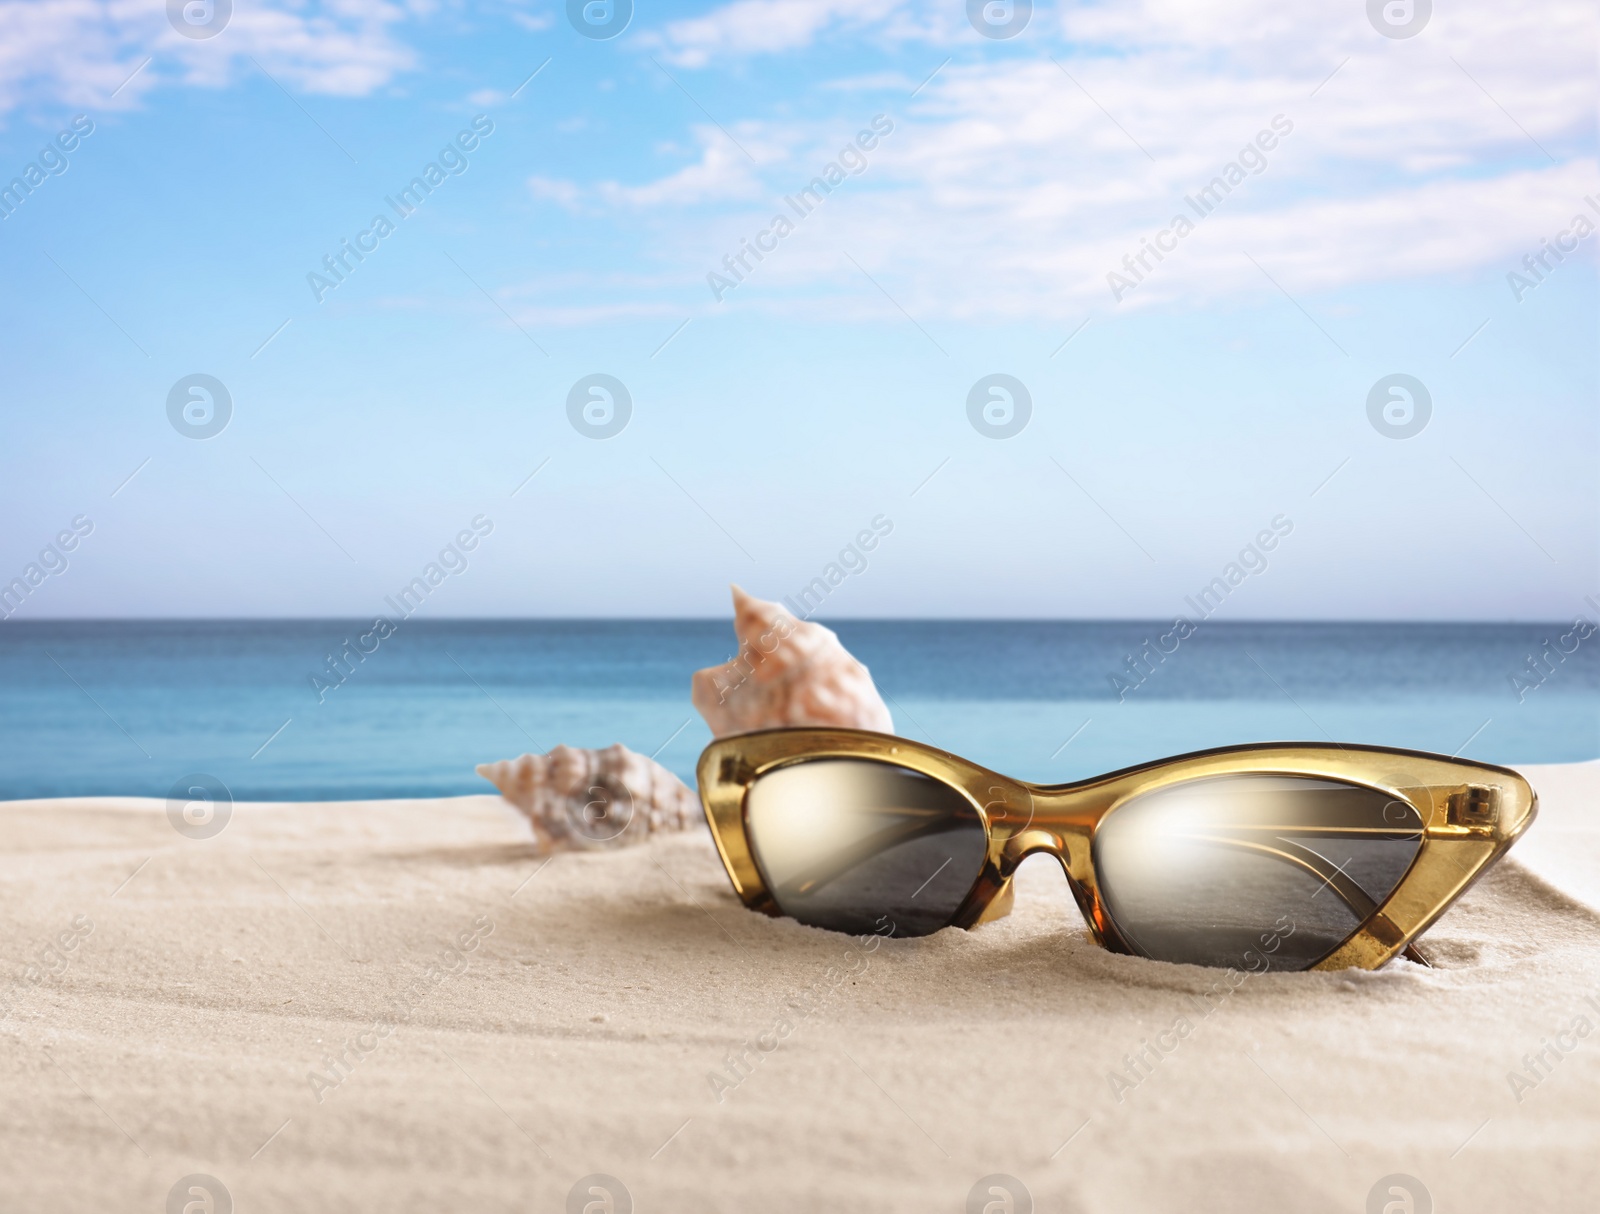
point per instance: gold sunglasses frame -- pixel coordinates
(1471, 813)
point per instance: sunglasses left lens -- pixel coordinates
(855, 845)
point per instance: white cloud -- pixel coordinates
(565, 194)
(580, 316)
(570, 299)
(1059, 269)
(725, 172)
(78, 52)
(722, 173)
(535, 23)
(757, 27)
(1019, 176)
(1012, 186)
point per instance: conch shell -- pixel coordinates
(787, 672)
(593, 798)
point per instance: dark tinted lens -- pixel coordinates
(856, 846)
(1251, 871)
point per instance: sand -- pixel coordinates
(172, 1007)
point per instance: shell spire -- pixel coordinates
(787, 672)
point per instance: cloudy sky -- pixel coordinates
(1384, 181)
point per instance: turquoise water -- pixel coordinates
(128, 707)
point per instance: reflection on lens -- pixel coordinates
(1251, 871)
(858, 846)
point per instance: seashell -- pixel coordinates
(593, 798)
(787, 672)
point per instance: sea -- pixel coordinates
(139, 707)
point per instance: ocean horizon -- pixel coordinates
(328, 709)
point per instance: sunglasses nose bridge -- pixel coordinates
(1030, 840)
(1050, 821)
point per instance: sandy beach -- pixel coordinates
(403, 1006)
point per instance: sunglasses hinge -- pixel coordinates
(1474, 805)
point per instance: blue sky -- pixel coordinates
(1168, 427)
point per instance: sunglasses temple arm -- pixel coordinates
(1350, 893)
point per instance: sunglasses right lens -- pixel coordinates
(1251, 871)
(855, 845)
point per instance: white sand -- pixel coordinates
(177, 1034)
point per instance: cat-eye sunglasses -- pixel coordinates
(1287, 856)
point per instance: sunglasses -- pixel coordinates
(1285, 856)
